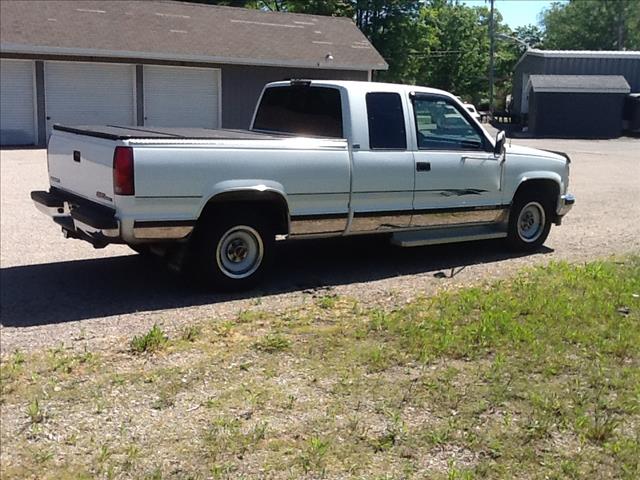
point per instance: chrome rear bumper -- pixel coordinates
(86, 220)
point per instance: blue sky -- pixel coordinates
(516, 12)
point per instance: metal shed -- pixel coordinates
(576, 106)
(571, 62)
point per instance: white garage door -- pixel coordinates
(181, 96)
(79, 93)
(17, 114)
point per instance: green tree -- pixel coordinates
(390, 25)
(592, 25)
(453, 51)
(532, 35)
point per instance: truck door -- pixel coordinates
(383, 170)
(457, 175)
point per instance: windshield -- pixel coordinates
(302, 110)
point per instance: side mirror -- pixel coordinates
(500, 140)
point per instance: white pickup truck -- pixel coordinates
(322, 158)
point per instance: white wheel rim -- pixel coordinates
(531, 221)
(239, 252)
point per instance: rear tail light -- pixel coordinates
(123, 182)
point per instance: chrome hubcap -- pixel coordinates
(239, 252)
(531, 222)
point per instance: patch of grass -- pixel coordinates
(155, 339)
(251, 316)
(191, 333)
(35, 412)
(230, 437)
(533, 377)
(327, 302)
(272, 343)
(376, 358)
(312, 458)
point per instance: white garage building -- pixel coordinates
(158, 63)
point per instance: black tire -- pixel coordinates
(231, 251)
(529, 221)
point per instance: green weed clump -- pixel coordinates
(155, 339)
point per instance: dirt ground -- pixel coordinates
(56, 291)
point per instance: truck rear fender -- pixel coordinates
(263, 192)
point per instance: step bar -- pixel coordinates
(436, 236)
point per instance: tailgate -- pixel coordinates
(82, 165)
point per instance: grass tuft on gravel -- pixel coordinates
(533, 377)
(155, 339)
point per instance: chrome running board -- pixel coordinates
(437, 236)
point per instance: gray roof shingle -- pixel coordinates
(579, 83)
(168, 30)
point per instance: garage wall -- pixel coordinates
(17, 112)
(79, 93)
(181, 96)
(83, 91)
(576, 115)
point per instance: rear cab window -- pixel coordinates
(386, 121)
(301, 110)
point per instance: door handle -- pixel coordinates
(423, 166)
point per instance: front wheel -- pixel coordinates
(529, 223)
(233, 252)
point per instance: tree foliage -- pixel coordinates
(593, 25)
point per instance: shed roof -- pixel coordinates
(579, 83)
(177, 31)
(584, 53)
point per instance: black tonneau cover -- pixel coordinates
(115, 132)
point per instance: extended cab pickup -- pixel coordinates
(322, 158)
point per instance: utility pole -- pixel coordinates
(491, 55)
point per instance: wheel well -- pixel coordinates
(547, 188)
(268, 204)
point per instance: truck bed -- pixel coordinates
(117, 132)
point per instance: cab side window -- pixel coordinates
(386, 121)
(440, 125)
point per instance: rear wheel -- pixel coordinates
(529, 222)
(233, 252)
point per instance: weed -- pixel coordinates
(291, 399)
(251, 316)
(225, 328)
(223, 470)
(17, 359)
(155, 474)
(103, 454)
(155, 339)
(272, 343)
(313, 457)
(42, 456)
(191, 333)
(35, 412)
(328, 302)
(376, 358)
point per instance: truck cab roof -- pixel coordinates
(362, 86)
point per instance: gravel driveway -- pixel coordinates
(56, 291)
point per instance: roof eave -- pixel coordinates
(580, 90)
(177, 57)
